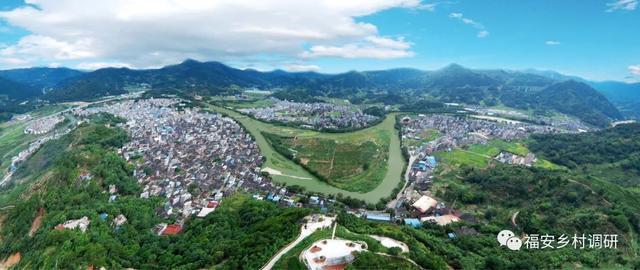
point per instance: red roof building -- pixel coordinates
(172, 229)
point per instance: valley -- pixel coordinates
(388, 169)
(434, 176)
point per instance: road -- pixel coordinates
(392, 203)
(305, 230)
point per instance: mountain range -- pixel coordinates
(540, 91)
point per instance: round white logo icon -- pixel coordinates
(508, 238)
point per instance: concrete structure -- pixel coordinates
(424, 204)
(330, 253)
(81, 224)
(441, 220)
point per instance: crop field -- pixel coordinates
(350, 166)
(480, 155)
(387, 171)
(426, 136)
(244, 104)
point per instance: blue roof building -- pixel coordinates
(413, 222)
(431, 161)
(386, 217)
(104, 216)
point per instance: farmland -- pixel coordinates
(350, 166)
(285, 170)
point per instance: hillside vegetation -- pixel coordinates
(406, 87)
(612, 154)
(242, 234)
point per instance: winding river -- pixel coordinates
(283, 170)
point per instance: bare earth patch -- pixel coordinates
(11, 261)
(37, 222)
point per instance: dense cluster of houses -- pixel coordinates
(191, 158)
(312, 115)
(415, 205)
(512, 159)
(562, 122)
(43, 125)
(457, 131)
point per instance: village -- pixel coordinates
(320, 116)
(415, 204)
(192, 158)
(43, 125)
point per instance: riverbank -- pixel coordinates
(293, 174)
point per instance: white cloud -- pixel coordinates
(372, 47)
(482, 31)
(301, 67)
(627, 5)
(46, 47)
(15, 62)
(144, 33)
(635, 70)
(552, 42)
(482, 34)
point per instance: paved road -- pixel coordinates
(305, 230)
(392, 203)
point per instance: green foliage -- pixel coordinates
(242, 234)
(375, 111)
(611, 154)
(296, 95)
(346, 165)
(368, 260)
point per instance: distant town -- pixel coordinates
(322, 116)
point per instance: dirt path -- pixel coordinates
(513, 218)
(37, 222)
(477, 154)
(592, 191)
(276, 172)
(332, 159)
(11, 261)
(400, 257)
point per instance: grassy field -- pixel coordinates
(426, 136)
(293, 174)
(480, 155)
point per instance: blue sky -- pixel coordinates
(597, 40)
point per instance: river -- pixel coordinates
(287, 171)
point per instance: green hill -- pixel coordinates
(392, 87)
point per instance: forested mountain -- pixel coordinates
(453, 83)
(19, 85)
(39, 77)
(626, 96)
(13, 90)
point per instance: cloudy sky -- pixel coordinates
(594, 39)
